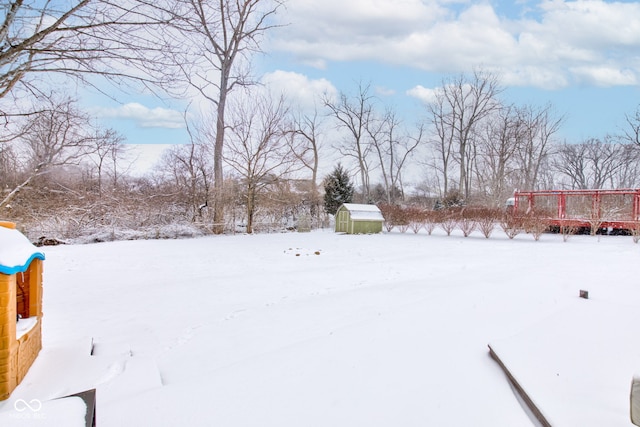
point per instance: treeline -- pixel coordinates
(254, 161)
(64, 176)
(475, 146)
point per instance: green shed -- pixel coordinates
(352, 218)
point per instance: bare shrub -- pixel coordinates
(635, 232)
(449, 222)
(536, 223)
(415, 217)
(388, 225)
(485, 221)
(431, 220)
(537, 226)
(511, 225)
(597, 218)
(595, 222)
(567, 231)
(467, 225)
(478, 217)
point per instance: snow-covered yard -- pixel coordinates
(324, 329)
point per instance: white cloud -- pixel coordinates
(550, 47)
(298, 88)
(144, 116)
(422, 93)
(385, 91)
(318, 63)
(342, 30)
(336, 19)
(542, 77)
(606, 76)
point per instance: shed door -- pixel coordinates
(343, 221)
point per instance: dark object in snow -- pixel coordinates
(584, 294)
(535, 411)
(48, 241)
(89, 398)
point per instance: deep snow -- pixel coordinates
(324, 329)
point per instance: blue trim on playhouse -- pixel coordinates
(16, 251)
(21, 268)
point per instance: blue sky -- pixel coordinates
(583, 57)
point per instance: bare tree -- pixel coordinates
(32, 40)
(540, 127)
(443, 141)
(569, 161)
(606, 158)
(498, 143)
(258, 149)
(632, 131)
(628, 175)
(191, 173)
(630, 139)
(461, 104)
(57, 135)
(591, 164)
(393, 148)
(355, 116)
(80, 38)
(107, 150)
(9, 166)
(306, 146)
(210, 44)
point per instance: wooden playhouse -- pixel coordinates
(353, 218)
(20, 306)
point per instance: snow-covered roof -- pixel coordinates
(360, 212)
(16, 251)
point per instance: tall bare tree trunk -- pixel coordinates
(212, 57)
(218, 176)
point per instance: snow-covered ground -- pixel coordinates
(324, 329)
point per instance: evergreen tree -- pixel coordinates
(337, 190)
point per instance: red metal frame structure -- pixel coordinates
(616, 209)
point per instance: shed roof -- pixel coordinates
(16, 251)
(360, 212)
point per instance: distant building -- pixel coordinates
(352, 218)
